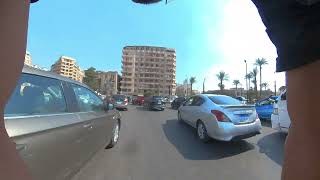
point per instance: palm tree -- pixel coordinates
(260, 62)
(265, 85)
(222, 76)
(185, 83)
(192, 80)
(236, 83)
(254, 81)
(248, 77)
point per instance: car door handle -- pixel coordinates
(88, 126)
(21, 147)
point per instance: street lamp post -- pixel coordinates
(203, 88)
(245, 61)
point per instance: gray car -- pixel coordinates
(57, 124)
(220, 117)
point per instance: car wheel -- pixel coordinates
(179, 118)
(202, 132)
(115, 135)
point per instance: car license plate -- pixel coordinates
(243, 118)
(159, 102)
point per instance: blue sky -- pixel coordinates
(207, 36)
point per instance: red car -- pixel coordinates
(138, 101)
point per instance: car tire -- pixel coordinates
(180, 120)
(202, 132)
(115, 135)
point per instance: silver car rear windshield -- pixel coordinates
(224, 100)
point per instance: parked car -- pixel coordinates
(57, 124)
(242, 99)
(139, 100)
(177, 102)
(154, 103)
(120, 102)
(220, 117)
(264, 107)
(280, 119)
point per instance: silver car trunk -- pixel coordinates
(240, 114)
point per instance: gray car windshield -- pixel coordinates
(224, 100)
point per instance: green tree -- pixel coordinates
(90, 78)
(192, 80)
(236, 83)
(222, 76)
(254, 80)
(260, 62)
(265, 86)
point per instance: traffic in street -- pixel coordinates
(154, 145)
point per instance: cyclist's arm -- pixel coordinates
(302, 158)
(13, 35)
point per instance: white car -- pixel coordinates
(280, 118)
(220, 117)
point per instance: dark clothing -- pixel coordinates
(32, 1)
(294, 28)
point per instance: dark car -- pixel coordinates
(139, 100)
(154, 103)
(264, 107)
(120, 102)
(177, 102)
(58, 124)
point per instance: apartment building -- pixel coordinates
(67, 66)
(108, 82)
(28, 59)
(148, 69)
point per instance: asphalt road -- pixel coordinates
(154, 146)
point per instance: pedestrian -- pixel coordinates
(292, 25)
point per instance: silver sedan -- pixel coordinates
(220, 117)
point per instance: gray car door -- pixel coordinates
(97, 121)
(45, 133)
(186, 110)
(196, 110)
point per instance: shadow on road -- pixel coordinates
(140, 108)
(273, 146)
(266, 123)
(183, 137)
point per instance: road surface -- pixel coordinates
(154, 146)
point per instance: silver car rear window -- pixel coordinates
(224, 100)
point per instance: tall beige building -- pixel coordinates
(28, 59)
(148, 69)
(108, 82)
(67, 66)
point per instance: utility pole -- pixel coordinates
(275, 88)
(203, 88)
(245, 61)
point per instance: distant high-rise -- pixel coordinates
(67, 66)
(28, 59)
(148, 69)
(108, 82)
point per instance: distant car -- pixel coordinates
(177, 102)
(220, 117)
(58, 124)
(138, 101)
(264, 107)
(154, 103)
(242, 99)
(280, 119)
(120, 102)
